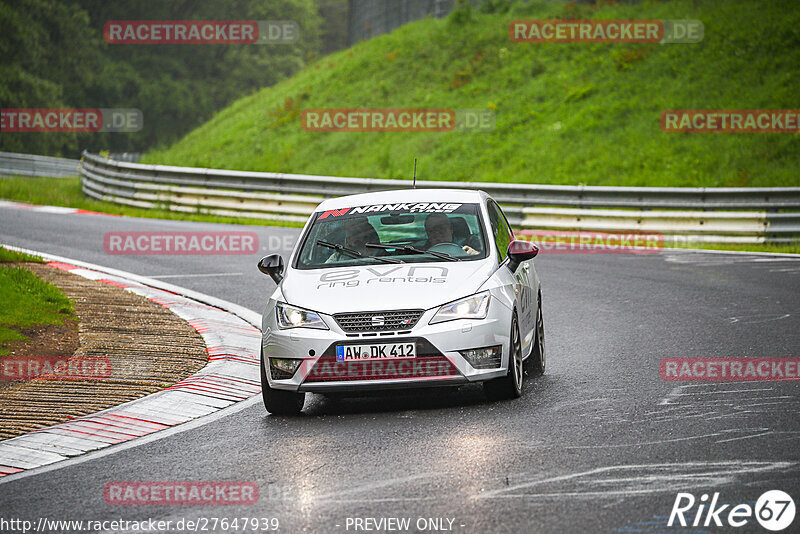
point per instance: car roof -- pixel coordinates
(463, 196)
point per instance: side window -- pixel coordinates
(501, 231)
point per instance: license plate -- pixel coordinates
(376, 351)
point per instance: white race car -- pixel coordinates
(402, 289)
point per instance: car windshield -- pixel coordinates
(409, 233)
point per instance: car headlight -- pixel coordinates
(473, 307)
(294, 317)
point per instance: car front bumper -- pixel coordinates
(438, 361)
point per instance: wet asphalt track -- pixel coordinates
(599, 444)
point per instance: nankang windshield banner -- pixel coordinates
(400, 208)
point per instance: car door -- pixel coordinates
(525, 280)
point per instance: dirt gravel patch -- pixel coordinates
(56, 340)
(147, 347)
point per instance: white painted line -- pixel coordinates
(162, 276)
(735, 252)
(25, 458)
(144, 440)
(628, 479)
(55, 209)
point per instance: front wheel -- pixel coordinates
(509, 386)
(278, 401)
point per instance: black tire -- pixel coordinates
(278, 401)
(509, 386)
(538, 357)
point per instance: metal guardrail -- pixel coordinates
(689, 213)
(12, 164)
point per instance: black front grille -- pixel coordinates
(384, 321)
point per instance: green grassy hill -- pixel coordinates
(566, 113)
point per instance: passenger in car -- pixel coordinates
(357, 232)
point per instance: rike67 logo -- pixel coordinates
(774, 511)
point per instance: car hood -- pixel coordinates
(384, 286)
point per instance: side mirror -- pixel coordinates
(519, 251)
(272, 266)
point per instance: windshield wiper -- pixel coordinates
(415, 250)
(356, 254)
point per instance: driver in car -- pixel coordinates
(440, 230)
(358, 232)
